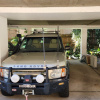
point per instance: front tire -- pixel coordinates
(65, 92)
(5, 93)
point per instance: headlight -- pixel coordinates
(57, 73)
(1, 72)
(5, 73)
(15, 78)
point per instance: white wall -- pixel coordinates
(3, 39)
(13, 32)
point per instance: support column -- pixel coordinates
(83, 47)
(3, 39)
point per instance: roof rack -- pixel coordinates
(36, 32)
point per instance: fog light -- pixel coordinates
(40, 78)
(15, 78)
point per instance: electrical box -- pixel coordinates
(93, 61)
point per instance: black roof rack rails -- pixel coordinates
(36, 32)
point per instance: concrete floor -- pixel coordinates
(84, 85)
(83, 77)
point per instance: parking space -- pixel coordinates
(83, 77)
(84, 85)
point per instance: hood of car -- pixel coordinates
(34, 60)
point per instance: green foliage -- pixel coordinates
(93, 38)
(93, 42)
(14, 40)
(95, 52)
(98, 50)
(77, 33)
(77, 38)
(25, 31)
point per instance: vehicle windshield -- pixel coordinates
(35, 44)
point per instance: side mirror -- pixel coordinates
(20, 39)
(19, 35)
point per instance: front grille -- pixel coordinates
(34, 73)
(24, 72)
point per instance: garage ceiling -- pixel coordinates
(48, 3)
(51, 12)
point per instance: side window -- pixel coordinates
(53, 43)
(23, 45)
(29, 43)
(35, 43)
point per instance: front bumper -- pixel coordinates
(41, 89)
(48, 87)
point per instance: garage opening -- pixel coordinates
(82, 76)
(93, 45)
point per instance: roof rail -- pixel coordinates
(36, 32)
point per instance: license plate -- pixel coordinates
(27, 86)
